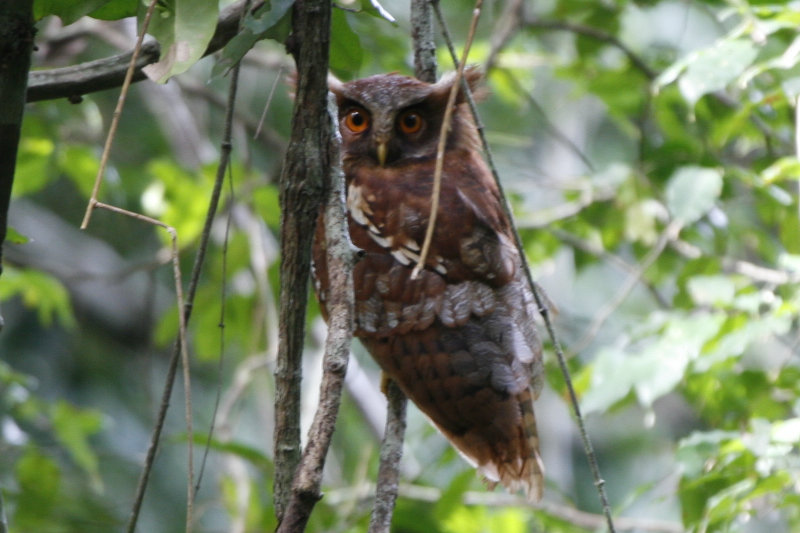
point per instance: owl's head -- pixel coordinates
(390, 118)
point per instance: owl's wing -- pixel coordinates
(459, 339)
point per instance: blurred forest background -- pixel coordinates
(649, 150)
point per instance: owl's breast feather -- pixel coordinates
(389, 209)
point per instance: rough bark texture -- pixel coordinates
(391, 453)
(340, 258)
(16, 43)
(424, 45)
(302, 190)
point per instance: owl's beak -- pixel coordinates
(382, 151)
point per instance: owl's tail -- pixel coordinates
(523, 470)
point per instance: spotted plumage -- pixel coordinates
(459, 339)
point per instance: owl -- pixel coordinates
(459, 339)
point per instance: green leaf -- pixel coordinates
(451, 499)
(692, 191)
(654, 368)
(712, 69)
(728, 502)
(67, 10)
(784, 169)
(39, 479)
(696, 449)
(183, 28)
(271, 21)
(177, 197)
(374, 8)
(712, 290)
(787, 431)
(116, 10)
(33, 165)
(38, 291)
(745, 332)
(80, 164)
(346, 54)
(609, 385)
(15, 237)
(73, 427)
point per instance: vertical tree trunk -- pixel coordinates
(422, 37)
(303, 185)
(16, 43)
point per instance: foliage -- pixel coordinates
(647, 144)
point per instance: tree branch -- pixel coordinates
(341, 258)
(107, 73)
(303, 186)
(422, 37)
(391, 454)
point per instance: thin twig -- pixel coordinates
(391, 453)
(269, 101)
(796, 344)
(184, 353)
(797, 145)
(223, 297)
(205, 236)
(448, 116)
(669, 234)
(540, 300)
(757, 273)
(112, 129)
(226, 146)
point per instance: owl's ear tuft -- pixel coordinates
(474, 78)
(335, 85)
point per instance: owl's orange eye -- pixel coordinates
(410, 122)
(356, 120)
